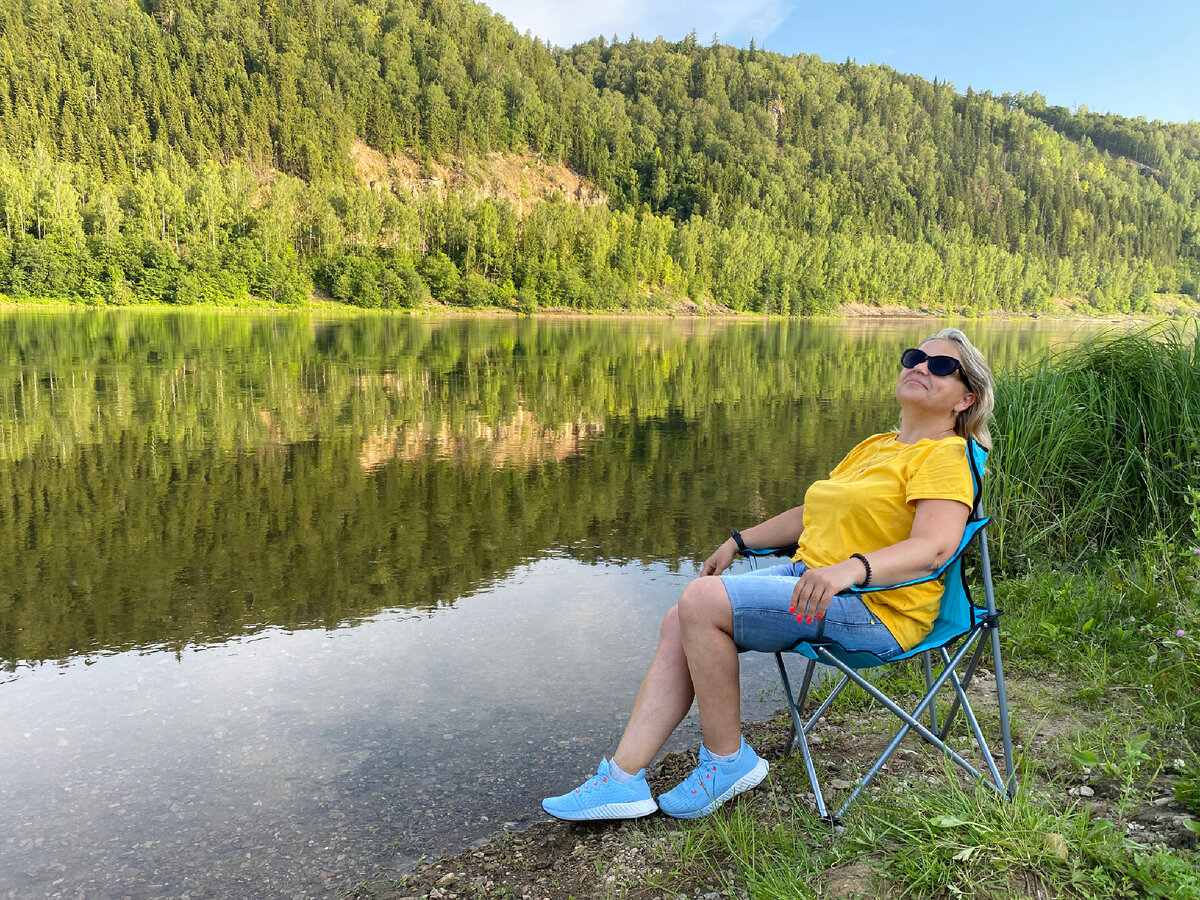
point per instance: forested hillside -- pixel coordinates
(204, 152)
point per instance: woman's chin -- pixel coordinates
(910, 392)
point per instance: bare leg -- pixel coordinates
(662, 701)
(696, 658)
(706, 627)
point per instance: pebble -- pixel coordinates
(1055, 844)
(1083, 791)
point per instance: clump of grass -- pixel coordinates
(1097, 447)
(939, 841)
(971, 845)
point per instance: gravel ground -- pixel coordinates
(552, 860)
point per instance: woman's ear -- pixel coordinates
(967, 401)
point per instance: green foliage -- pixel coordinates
(1187, 790)
(931, 842)
(971, 845)
(1123, 764)
(227, 131)
(441, 274)
(374, 281)
(1099, 447)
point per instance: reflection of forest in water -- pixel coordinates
(177, 478)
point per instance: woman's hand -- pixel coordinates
(816, 588)
(721, 560)
(778, 531)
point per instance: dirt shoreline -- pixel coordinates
(553, 860)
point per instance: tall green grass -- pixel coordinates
(1097, 447)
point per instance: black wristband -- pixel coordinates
(866, 565)
(737, 539)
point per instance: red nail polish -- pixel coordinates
(799, 618)
(808, 620)
(819, 616)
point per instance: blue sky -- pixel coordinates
(1131, 58)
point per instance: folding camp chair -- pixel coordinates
(958, 631)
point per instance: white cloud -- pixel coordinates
(572, 22)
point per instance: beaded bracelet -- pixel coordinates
(866, 565)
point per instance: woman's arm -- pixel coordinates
(936, 532)
(782, 530)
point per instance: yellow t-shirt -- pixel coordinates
(869, 502)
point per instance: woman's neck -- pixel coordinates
(911, 432)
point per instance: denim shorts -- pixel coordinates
(761, 621)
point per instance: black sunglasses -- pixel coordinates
(938, 365)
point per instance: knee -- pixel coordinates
(703, 602)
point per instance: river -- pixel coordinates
(290, 600)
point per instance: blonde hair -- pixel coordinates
(972, 422)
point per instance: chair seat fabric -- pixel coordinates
(956, 616)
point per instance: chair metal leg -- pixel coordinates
(985, 564)
(797, 724)
(826, 703)
(1010, 782)
(933, 726)
(800, 735)
(966, 683)
(973, 722)
(910, 720)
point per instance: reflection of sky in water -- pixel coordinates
(289, 764)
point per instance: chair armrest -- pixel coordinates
(789, 552)
(973, 528)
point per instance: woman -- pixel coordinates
(892, 511)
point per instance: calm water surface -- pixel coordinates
(287, 601)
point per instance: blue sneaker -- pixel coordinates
(600, 797)
(712, 783)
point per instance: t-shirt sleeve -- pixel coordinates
(943, 474)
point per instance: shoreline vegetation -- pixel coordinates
(1096, 549)
(1173, 307)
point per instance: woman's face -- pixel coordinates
(919, 388)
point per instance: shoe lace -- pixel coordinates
(595, 781)
(702, 778)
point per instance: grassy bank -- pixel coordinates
(1160, 307)
(1096, 480)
